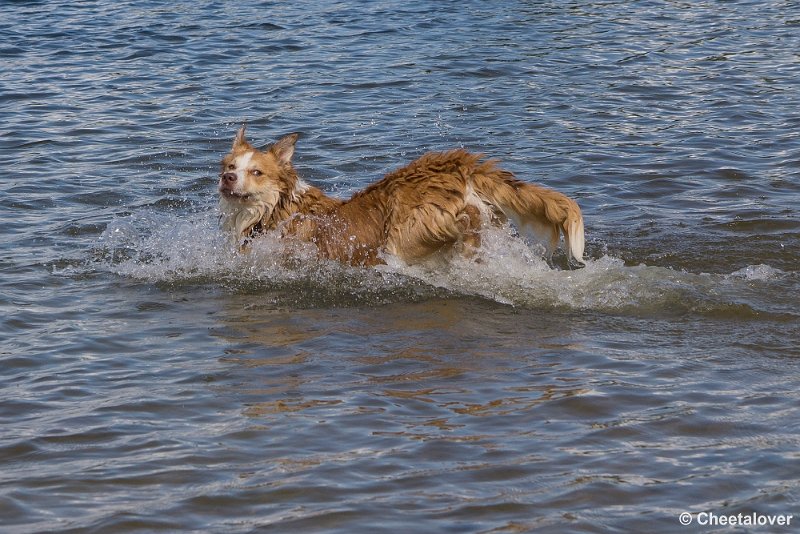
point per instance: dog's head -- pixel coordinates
(252, 182)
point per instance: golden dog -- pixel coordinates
(437, 203)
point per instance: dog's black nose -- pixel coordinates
(229, 177)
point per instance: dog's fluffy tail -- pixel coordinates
(543, 212)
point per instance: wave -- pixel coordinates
(166, 248)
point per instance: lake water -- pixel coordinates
(154, 380)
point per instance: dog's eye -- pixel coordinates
(255, 172)
(231, 166)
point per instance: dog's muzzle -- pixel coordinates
(227, 182)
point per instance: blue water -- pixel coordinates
(154, 379)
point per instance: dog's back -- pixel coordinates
(442, 200)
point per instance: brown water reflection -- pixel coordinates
(394, 351)
(463, 410)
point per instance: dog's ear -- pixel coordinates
(284, 148)
(240, 140)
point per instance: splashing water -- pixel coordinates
(165, 248)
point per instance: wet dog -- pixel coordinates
(436, 204)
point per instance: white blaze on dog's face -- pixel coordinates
(252, 181)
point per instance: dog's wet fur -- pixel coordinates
(437, 203)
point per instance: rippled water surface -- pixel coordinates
(154, 379)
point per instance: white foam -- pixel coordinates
(160, 247)
(758, 273)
